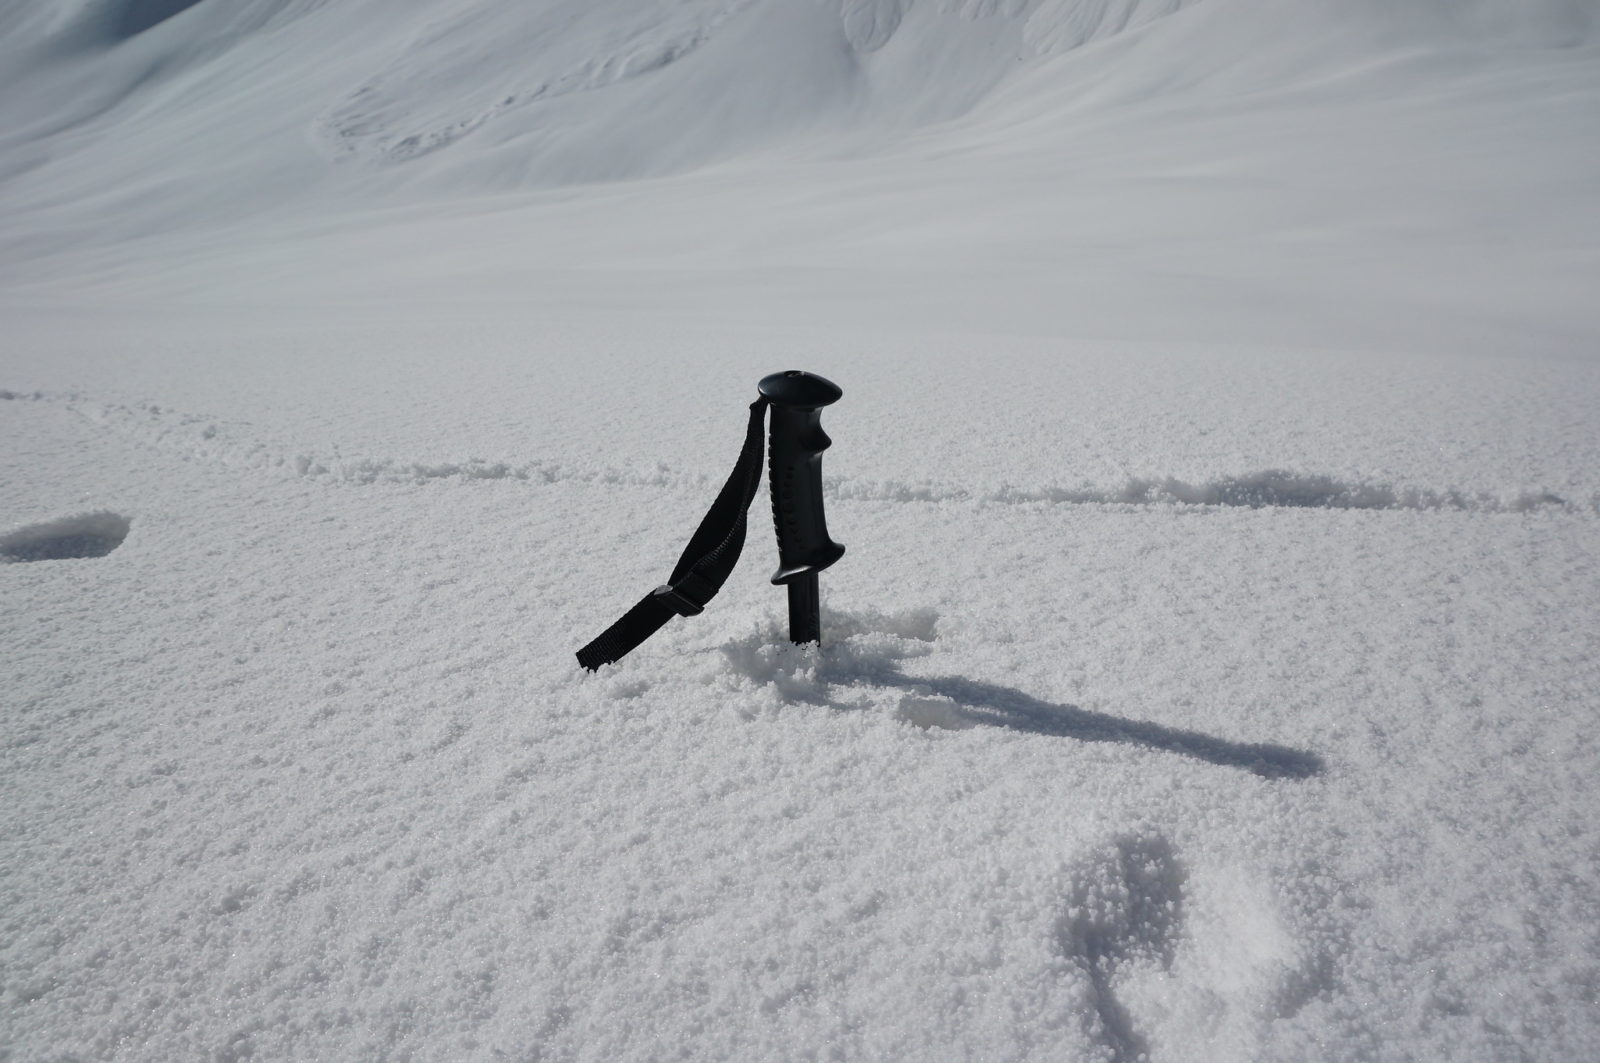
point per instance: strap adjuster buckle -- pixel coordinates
(677, 601)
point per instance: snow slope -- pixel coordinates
(1212, 672)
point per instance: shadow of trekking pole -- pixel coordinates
(867, 653)
(990, 705)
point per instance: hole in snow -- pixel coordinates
(140, 15)
(85, 535)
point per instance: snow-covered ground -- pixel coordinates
(1213, 671)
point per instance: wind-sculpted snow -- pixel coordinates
(587, 100)
(137, 16)
(1061, 25)
(497, 63)
(1049, 26)
(326, 108)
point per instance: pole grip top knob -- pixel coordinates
(795, 463)
(797, 389)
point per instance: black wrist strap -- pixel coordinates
(706, 563)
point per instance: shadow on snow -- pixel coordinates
(977, 703)
(863, 652)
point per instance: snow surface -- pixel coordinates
(1212, 674)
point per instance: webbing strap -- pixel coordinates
(706, 562)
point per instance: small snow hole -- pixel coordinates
(84, 535)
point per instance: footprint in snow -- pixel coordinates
(67, 538)
(1125, 907)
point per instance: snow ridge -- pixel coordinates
(137, 16)
(1265, 489)
(500, 63)
(213, 439)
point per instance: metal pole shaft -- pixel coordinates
(805, 610)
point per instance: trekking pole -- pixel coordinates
(795, 448)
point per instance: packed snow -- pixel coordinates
(1212, 674)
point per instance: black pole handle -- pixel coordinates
(795, 465)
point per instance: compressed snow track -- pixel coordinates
(207, 438)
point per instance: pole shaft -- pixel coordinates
(805, 610)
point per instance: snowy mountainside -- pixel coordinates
(1070, 163)
(251, 103)
(524, 95)
(742, 75)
